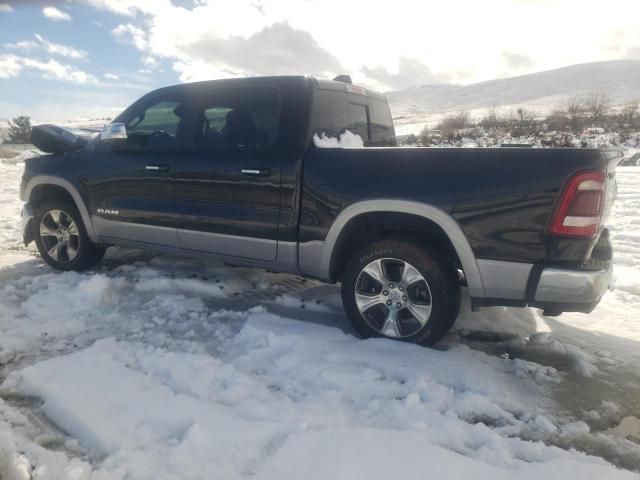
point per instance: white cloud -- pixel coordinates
(410, 72)
(50, 47)
(9, 66)
(129, 33)
(517, 61)
(55, 15)
(275, 50)
(111, 76)
(457, 39)
(24, 45)
(150, 62)
(5, 8)
(12, 65)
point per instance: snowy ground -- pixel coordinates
(163, 368)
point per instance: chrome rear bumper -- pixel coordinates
(571, 290)
(573, 286)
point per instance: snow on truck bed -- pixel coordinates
(153, 367)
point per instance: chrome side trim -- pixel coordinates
(181, 252)
(504, 279)
(572, 286)
(110, 230)
(320, 268)
(231, 245)
(244, 248)
(75, 195)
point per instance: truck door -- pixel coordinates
(131, 190)
(228, 186)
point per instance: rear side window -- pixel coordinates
(382, 132)
(334, 112)
(238, 118)
(358, 121)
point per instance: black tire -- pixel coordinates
(88, 254)
(442, 286)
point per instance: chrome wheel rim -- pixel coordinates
(59, 235)
(393, 297)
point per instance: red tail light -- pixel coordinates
(579, 210)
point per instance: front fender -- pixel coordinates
(39, 180)
(27, 221)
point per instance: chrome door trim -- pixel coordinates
(229, 245)
(109, 230)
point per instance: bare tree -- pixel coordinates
(524, 123)
(491, 119)
(450, 124)
(597, 108)
(558, 119)
(629, 112)
(575, 112)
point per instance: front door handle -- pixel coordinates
(263, 172)
(157, 168)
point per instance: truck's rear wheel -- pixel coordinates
(61, 237)
(397, 289)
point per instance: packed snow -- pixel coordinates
(347, 139)
(155, 367)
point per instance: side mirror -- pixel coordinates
(114, 133)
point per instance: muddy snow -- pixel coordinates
(153, 367)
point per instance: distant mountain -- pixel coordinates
(620, 79)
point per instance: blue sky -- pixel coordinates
(119, 76)
(66, 59)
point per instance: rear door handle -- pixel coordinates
(256, 171)
(157, 168)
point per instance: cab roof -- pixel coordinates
(284, 81)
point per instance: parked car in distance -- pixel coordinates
(233, 170)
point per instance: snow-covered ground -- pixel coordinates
(152, 367)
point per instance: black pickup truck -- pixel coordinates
(239, 171)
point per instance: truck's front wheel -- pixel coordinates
(397, 289)
(61, 237)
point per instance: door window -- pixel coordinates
(236, 119)
(156, 125)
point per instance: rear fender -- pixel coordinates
(315, 257)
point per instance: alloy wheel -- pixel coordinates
(59, 235)
(393, 297)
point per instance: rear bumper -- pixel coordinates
(560, 290)
(555, 290)
(27, 219)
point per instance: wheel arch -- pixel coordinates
(432, 218)
(45, 186)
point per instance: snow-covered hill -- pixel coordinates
(541, 92)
